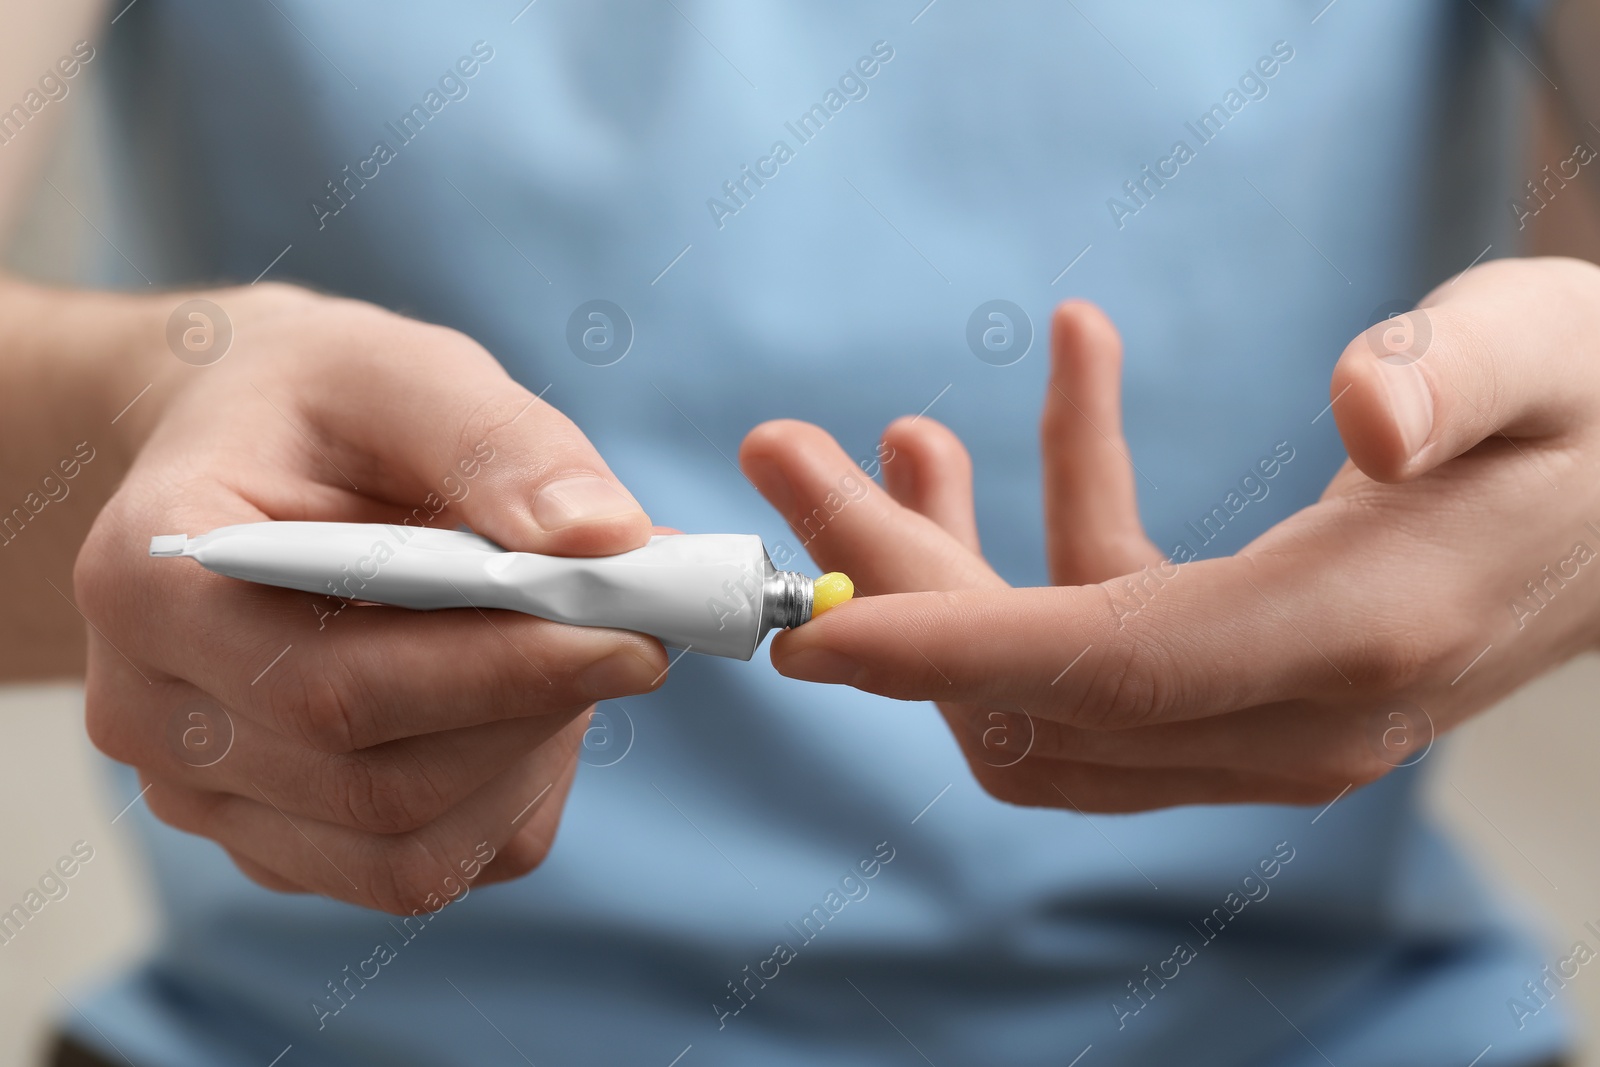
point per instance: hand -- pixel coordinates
(378, 755)
(1322, 655)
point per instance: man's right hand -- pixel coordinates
(373, 749)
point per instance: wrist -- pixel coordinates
(88, 365)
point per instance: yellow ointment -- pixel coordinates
(829, 591)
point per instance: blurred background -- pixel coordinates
(1517, 785)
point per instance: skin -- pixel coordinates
(370, 761)
(375, 761)
(1272, 675)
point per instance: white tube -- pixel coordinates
(716, 594)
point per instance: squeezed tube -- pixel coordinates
(714, 594)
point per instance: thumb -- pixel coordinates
(446, 426)
(1496, 352)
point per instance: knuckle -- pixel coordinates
(1006, 788)
(426, 343)
(94, 576)
(1123, 688)
(1392, 660)
(273, 304)
(320, 707)
(382, 795)
(1133, 698)
(256, 874)
(164, 806)
(408, 877)
(1018, 785)
(1123, 693)
(274, 294)
(1356, 763)
(102, 720)
(527, 849)
(178, 810)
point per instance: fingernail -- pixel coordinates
(579, 501)
(619, 674)
(822, 665)
(1411, 402)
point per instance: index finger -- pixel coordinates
(339, 676)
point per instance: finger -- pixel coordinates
(1216, 637)
(1092, 526)
(1087, 787)
(369, 674)
(337, 675)
(180, 736)
(444, 417)
(1474, 362)
(1293, 740)
(847, 522)
(391, 674)
(927, 469)
(262, 876)
(388, 674)
(397, 873)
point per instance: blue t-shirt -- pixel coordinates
(780, 199)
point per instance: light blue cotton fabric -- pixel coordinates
(978, 162)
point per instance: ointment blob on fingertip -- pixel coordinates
(829, 591)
